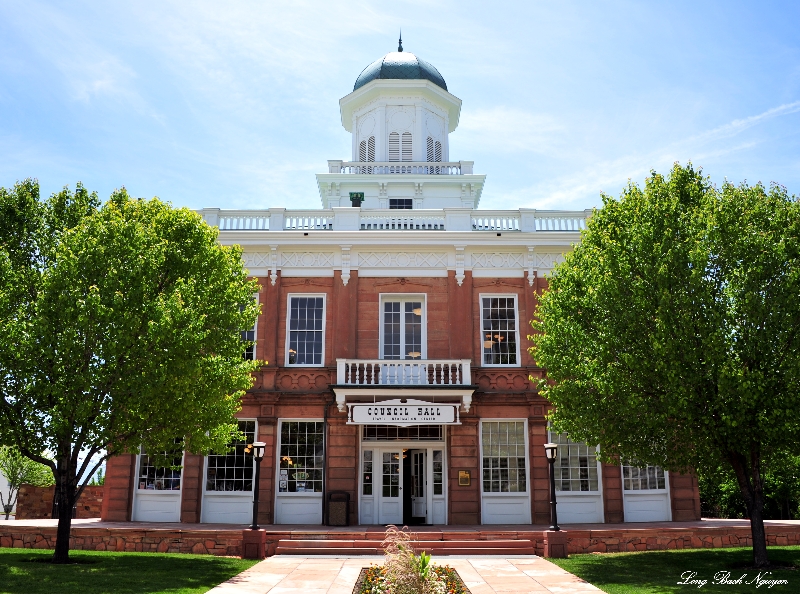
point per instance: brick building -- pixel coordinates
(395, 321)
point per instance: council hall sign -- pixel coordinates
(403, 413)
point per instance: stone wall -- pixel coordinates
(37, 502)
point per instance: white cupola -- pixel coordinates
(400, 115)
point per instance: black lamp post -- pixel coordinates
(258, 453)
(551, 450)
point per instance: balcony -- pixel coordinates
(357, 219)
(400, 167)
(408, 372)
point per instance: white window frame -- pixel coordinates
(599, 491)
(136, 488)
(515, 296)
(231, 493)
(255, 329)
(403, 297)
(278, 493)
(528, 477)
(289, 298)
(635, 491)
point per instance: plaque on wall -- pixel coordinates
(463, 478)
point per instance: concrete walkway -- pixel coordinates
(285, 574)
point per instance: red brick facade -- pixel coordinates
(35, 503)
(352, 331)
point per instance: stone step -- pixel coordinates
(438, 547)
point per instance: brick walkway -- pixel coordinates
(283, 574)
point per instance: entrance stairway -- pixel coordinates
(436, 542)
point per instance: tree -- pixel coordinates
(121, 329)
(671, 334)
(20, 470)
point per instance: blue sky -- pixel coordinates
(235, 104)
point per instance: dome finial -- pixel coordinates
(400, 43)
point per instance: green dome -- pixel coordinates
(400, 65)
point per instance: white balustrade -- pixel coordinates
(400, 167)
(399, 220)
(409, 372)
(555, 220)
(243, 221)
(307, 221)
(496, 222)
(352, 219)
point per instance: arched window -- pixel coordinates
(366, 152)
(434, 154)
(429, 144)
(407, 146)
(394, 146)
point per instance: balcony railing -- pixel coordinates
(400, 167)
(383, 372)
(368, 219)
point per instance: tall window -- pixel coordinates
(499, 330)
(366, 150)
(575, 466)
(366, 477)
(504, 455)
(402, 329)
(438, 472)
(400, 146)
(306, 328)
(159, 478)
(643, 479)
(249, 338)
(233, 470)
(301, 457)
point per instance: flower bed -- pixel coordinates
(372, 580)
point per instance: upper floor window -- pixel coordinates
(499, 330)
(400, 146)
(366, 150)
(402, 329)
(434, 150)
(306, 330)
(401, 203)
(249, 337)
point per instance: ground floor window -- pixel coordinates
(438, 472)
(504, 456)
(575, 466)
(233, 470)
(643, 479)
(301, 457)
(159, 478)
(367, 473)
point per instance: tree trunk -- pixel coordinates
(752, 486)
(66, 500)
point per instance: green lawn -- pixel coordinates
(121, 573)
(660, 571)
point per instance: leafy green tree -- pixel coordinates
(671, 334)
(121, 328)
(19, 471)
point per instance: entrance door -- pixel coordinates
(390, 505)
(419, 499)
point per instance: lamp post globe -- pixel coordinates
(551, 452)
(257, 448)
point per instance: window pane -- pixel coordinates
(499, 331)
(306, 316)
(504, 467)
(157, 478)
(643, 479)
(301, 457)
(575, 465)
(233, 471)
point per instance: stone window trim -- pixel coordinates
(483, 332)
(288, 345)
(552, 437)
(207, 467)
(279, 445)
(526, 449)
(403, 298)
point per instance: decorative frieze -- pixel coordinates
(402, 260)
(497, 260)
(307, 259)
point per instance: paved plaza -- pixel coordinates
(287, 574)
